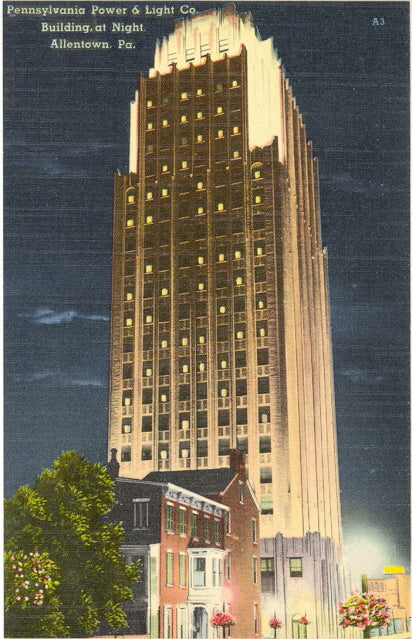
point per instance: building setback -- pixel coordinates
(220, 332)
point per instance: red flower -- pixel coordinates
(275, 622)
(304, 620)
(222, 619)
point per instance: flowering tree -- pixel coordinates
(62, 517)
(276, 624)
(29, 583)
(222, 619)
(364, 611)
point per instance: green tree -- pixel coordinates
(62, 515)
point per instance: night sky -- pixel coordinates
(66, 130)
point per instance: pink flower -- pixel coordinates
(275, 622)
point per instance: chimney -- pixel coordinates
(113, 465)
(237, 461)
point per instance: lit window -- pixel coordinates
(148, 268)
(185, 341)
(224, 392)
(219, 109)
(183, 118)
(163, 398)
(201, 339)
(149, 195)
(240, 335)
(295, 566)
(236, 154)
(149, 103)
(220, 206)
(200, 259)
(183, 95)
(201, 366)
(148, 372)
(199, 115)
(164, 343)
(238, 254)
(199, 186)
(149, 219)
(257, 174)
(129, 321)
(200, 286)
(129, 296)
(165, 192)
(149, 319)
(199, 571)
(130, 198)
(235, 83)
(235, 130)
(165, 291)
(220, 133)
(165, 168)
(165, 122)
(223, 363)
(199, 138)
(222, 309)
(239, 281)
(258, 199)
(219, 86)
(130, 222)
(199, 91)
(221, 257)
(259, 250)
(184, 164)
(149, 126)
(200, 210)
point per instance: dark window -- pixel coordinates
(201, 309)
(241, 387)
(262, 356)
(146, 424)
(258, 222)
(164, 262)
(295, 566)
(164, 313)
(239, 304)
(128, 345)
(202, 448)
(242, 445)
(223, 418)
(147, 343)
(265, 445)
(201, 419)
(221, 280)
(163, 367)
(129, 268)
(265, 475)
(223, 389)
(260, 274)
(126, 454)
(222, 333)
(184, 311)
(264, 414)
(184, 392)
(146, 452)
(163, 422)
(224, 446)
(263, 385)
(127, 371)
(241, 416)
(240, 359)
(201, 390)
(147, 396)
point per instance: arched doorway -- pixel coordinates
(199, 623)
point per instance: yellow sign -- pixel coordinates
(393, 570)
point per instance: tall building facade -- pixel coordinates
(220, 333)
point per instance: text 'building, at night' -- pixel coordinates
(220, 332)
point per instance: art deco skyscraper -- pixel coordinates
(220, 325)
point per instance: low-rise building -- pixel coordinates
(395, 588)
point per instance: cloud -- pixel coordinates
(58, 378)
(358, 375)
(48, 316)
(347, 182)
